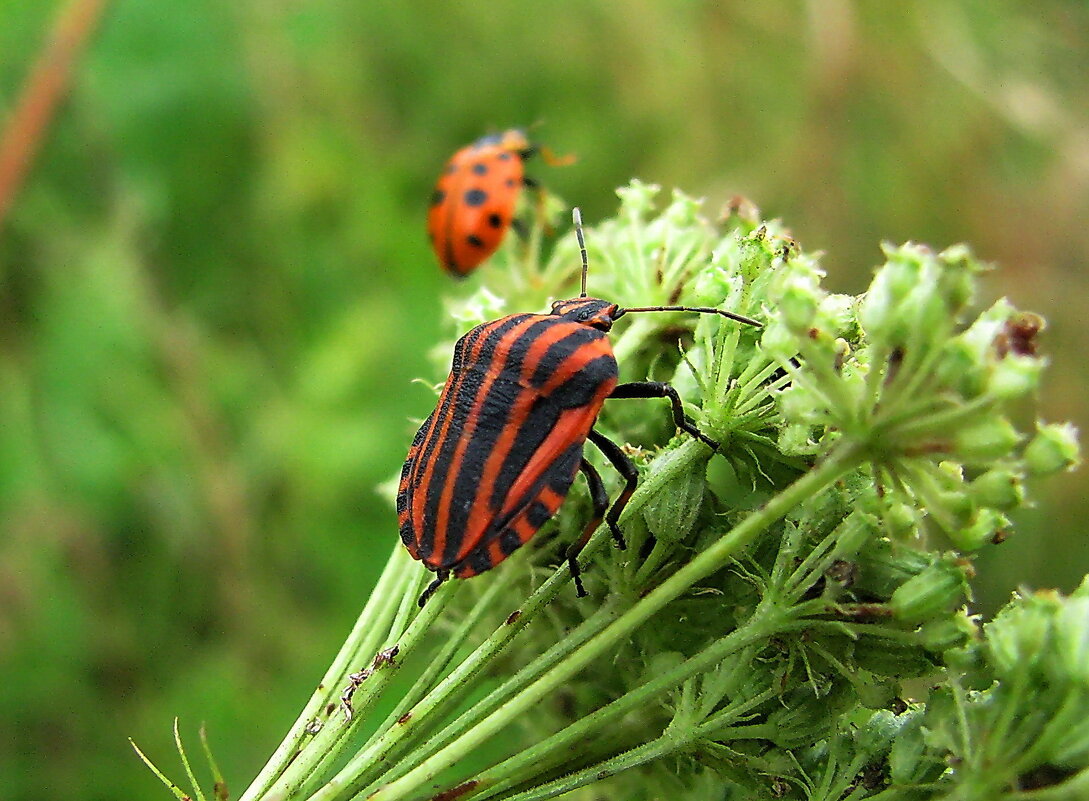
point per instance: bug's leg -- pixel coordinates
(627, 470)
(659, 389)
(600, 499)
(440, 577)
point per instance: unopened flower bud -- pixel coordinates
(1015, 376)
(935, 591)
(680, 499)
(1054, 448)
(1000, 488)
(637, 198)
(798, 305)
(987, 439)
(951, 632)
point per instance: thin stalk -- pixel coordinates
(716, 556)
(656, 749)
(307, 769)
(763, 625)
(456, 683)
(670, 742)
(943, 422)
(365, 637)
(383, 751)
(454, 641)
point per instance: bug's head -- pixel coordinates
(593, 312)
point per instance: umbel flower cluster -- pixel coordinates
(791, 616)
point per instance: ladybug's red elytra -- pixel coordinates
(474, 200)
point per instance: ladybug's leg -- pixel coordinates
(541, 198)
(659, 389)
(520, 228)
(440, 577)
(627, 470)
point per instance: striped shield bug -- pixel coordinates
(496, 458)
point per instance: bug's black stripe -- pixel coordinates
(404, 489)
(560, 476)
(446, 402)
(558, 353)
(578, 390)
(466, 399)
(458, 399)
(493, 412)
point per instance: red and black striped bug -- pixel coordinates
(497, 457)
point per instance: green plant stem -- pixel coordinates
(454, 641)
(453, 685)
(918, 425)
(383, 751)
(457, 683)
(523, 766)
(365, 637)
(717, 555)
(307, 768)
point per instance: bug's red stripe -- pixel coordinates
(493, 371)
(533, 436)
(404, 492)
(518, 421)
(470, 344)
(438, 442)
(482, 509)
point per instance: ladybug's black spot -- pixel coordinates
(495, 221)
(437, 197)
(475, 197)
(511, 183)
(480, 168)
(504, 156)
(475, 241)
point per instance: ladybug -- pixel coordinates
(474, 200)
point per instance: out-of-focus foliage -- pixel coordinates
(215, 290)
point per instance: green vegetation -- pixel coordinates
(756, 635)
(215, 292)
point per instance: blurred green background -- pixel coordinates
(215, 289)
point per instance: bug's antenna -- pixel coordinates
(576, 217)
(701, 309)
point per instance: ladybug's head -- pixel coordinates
(515, 139)
(593, 312)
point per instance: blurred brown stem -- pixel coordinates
(45, 86)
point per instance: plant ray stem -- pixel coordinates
(365, 635)
(456, 640)
(308, 766)
(384, 750)
(837, 463)
(665, 745)
(458, 680)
